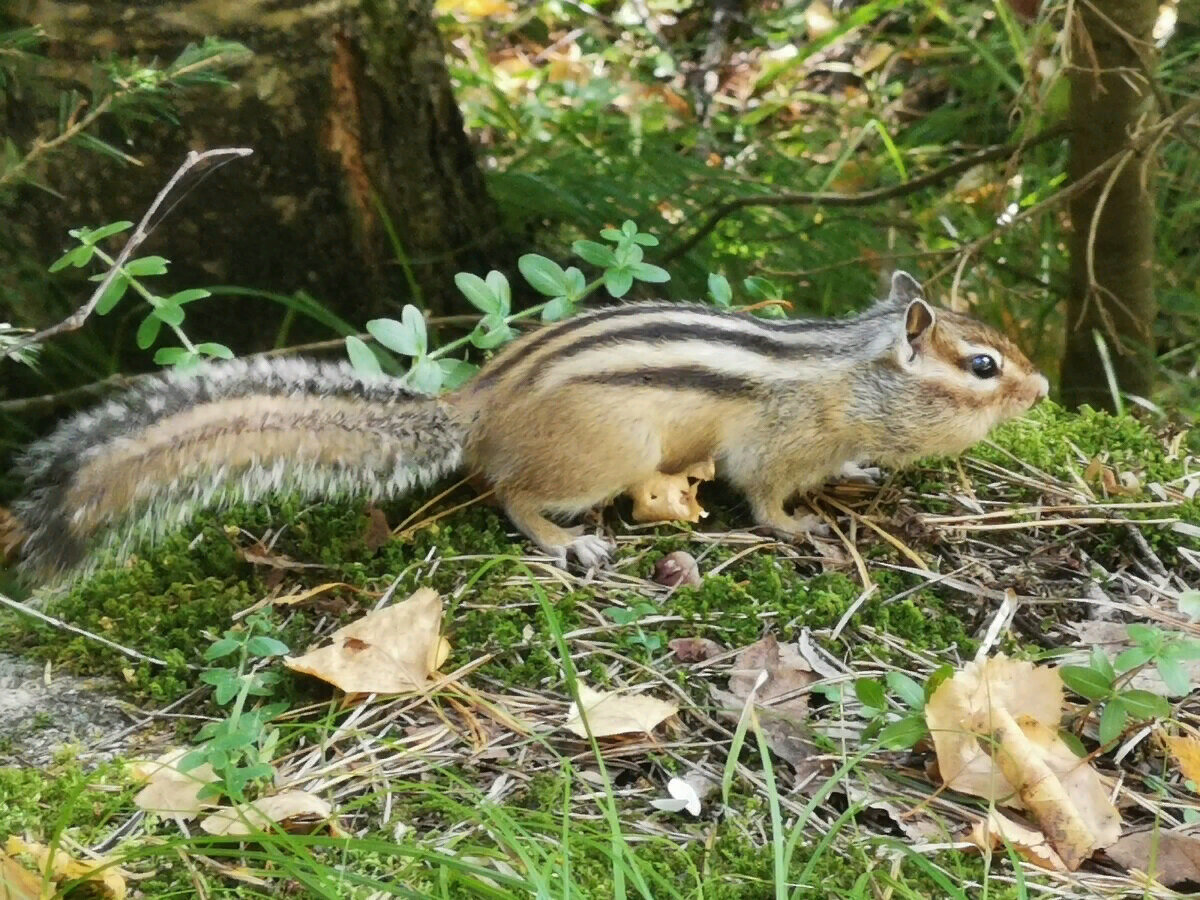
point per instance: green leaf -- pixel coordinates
(760, 288)
(400, 336)
(1145, 704)
(192, 760)
(363, 358)
(425, 375)
(112, 294)
(233, 740)
(719, 290)
(170, 356)
(146, 265)
(1112, 721)
(77, 256)
(214, 350)
(544, 275)
(612, 234)
(576, 283)
(1176, 677)
(618, 281)
(870, 693)
(646, 272)
(1073, 743)
(218, 758)
(646, 240)
(596, 254)
(147, 332)
(629, 228)
(1189, 605)
(106, 231)
(498, 283)
(557, 309)
(456, 372)
(477, 292)
(628, 254)
(1086, 682)
(1183, 648)
(907, 690)
(1144, 635)
(936, 678)
(261, 645)
(1099, 662)
(486, 339)
(188, 295)
(220, 648)
(412, 319)
(171, 313)
(904, 733)
(1132, 658)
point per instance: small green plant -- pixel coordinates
(167, 311)
(431, 371)
(239, 747)
(631, 615)
(1106, 683)
(897, 690)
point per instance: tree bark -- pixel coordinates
(1112, 240)
(363, 189)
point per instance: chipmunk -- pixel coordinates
(563, 419)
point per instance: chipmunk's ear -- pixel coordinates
(905, 288)
(918, 323)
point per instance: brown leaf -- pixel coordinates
(694, 649)
(677, 568)
(170, 792)
(378, 532)
(671, 497)
(786, 669)
(17, 882)
(995, 729)
(391, 651)
(998, 830)
(295, 811)
(1167, 856)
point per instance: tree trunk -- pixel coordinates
(362, 191)
(1112, 240)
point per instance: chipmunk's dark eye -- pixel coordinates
(983, 366)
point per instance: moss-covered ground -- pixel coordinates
(536, 811)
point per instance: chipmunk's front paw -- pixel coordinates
(852, 471)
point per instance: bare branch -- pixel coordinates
(212, 160)
(863, 198)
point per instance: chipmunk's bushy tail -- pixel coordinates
(143, 463)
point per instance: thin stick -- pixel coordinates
(74, 629)
(75, 321)
(862, 198)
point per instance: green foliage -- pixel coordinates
(240, 747)
(901, 691)
(1105, 682)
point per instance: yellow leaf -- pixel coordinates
(1186, 751)
(107, 879)
(391, 651)
(287, 808)
(609, 713)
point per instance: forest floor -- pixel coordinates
(817, 779)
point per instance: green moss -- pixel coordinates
(39, 803)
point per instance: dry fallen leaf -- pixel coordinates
(609, 713)
(105, 878)
(376, 532)
(669, 498)
(17, 882)
(998, 830)
(391, 651)
(1186, 751)
(170, 792)
(787, 672)
(694, 649)
(1167, 856)
(292, 810)
(994, 727)
(818, 19)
